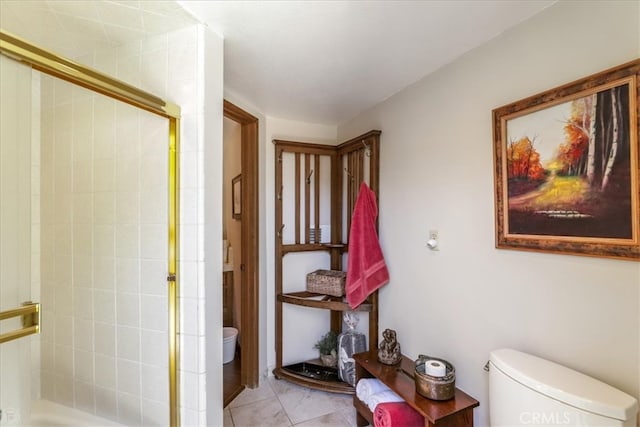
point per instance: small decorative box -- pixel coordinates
(328, 282)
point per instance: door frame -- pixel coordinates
(249, 253)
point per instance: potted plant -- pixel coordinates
(327, 346)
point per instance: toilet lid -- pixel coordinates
(565, 384)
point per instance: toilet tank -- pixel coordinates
(528, 390)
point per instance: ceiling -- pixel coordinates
(76, 27)
(315, 61)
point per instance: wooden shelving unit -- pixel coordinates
(351, 163)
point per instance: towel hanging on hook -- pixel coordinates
(366, 267)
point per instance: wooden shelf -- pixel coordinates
(310, 247)
(326, 302)
(323, 385)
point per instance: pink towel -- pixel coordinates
(366, 269)
(396, 414)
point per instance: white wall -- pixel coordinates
(437, 173)
(209, 142)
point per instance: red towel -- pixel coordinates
(396, 414)
(366, 269)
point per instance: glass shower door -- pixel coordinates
(15, 241)
(83, 230)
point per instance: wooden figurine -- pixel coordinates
(389, 351)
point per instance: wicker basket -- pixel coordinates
(328, 282)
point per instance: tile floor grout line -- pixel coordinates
(279, 401)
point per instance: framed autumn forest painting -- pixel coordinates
(566, 168)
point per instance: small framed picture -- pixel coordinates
(236, 197)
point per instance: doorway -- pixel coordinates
(249, 257)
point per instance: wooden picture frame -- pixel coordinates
(566, 167)
(236, 197)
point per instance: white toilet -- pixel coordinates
(528, 390)
(229, 337)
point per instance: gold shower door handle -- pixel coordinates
(30, 313)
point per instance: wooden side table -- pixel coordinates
(456, 412)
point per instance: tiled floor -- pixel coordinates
(281, 403)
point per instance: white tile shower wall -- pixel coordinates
(170, 66)
(185, 89)
(104, 197)
(47, 212)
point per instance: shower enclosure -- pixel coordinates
(88, 214)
